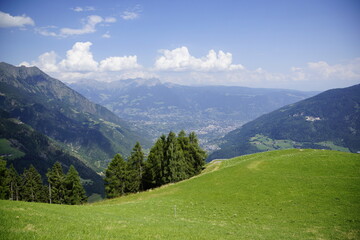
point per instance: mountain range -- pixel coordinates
(329, 120)
(210, 111)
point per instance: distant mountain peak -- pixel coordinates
(10, 70)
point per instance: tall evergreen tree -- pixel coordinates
(175, 161)
(115, 177)
(154, 165)
(14, 184)
(185, 145)
(56, 181)
(4, 180)
(135, 167)
(198, 154)
(75, 192)
(32, 188)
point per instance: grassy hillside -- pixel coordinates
(288, 194)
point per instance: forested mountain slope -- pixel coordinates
(89, 131)
(21, 146)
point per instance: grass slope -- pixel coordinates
(288, 194)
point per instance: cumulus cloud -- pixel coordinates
(6, 20)
(119, 63)
(180, 59)
(79, 58)
(80, 63)
(46, 62)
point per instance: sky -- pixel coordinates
(310, 45)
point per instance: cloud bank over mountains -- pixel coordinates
(179, 66)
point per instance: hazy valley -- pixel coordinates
(210, 111)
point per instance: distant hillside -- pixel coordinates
(330, 120)
(87, 130)
(211, 111)
(292, 194)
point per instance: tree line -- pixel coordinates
(61, 188)
(172, 158)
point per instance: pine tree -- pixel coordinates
(198, 154)
(154, 165)
(32, 188)
(56, 181)
(175, 169)
(115, 177)
(4, 180)
(14, 184)
(135, 167)
(75, 193)
(185, 145)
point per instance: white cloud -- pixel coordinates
(79, 58)
(83, 9)
(129, 15)
(180, 59)
(106, 35)
(349, 70)
(119, 63)
(46, 32)
(88, 27)
(46, 62)
(132, 14)
(6, 20)
(80, 63)
(110, 20)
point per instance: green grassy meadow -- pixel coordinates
(287, 194)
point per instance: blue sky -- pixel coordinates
(305, 45)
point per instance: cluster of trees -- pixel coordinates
(61, 188)
(171, 159)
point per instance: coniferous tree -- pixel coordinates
(185, 145)
(56, 181)
(14, 184)
(115, 177)
(154, 165)
(135, 167)
(75, 192)
(4, 180)
(198, 154)
(32, 188)
(175, 160)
